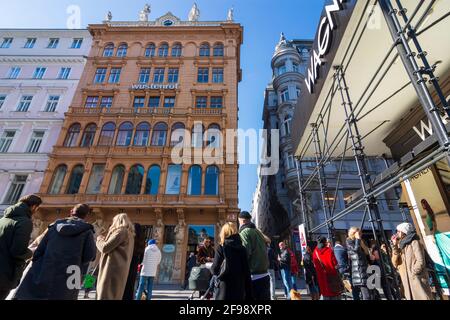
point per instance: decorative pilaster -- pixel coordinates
(180, 235)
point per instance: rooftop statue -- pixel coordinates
(143, 15)
(230, 15)
(108, 16)
(194, 14)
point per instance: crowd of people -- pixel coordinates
(243, 265)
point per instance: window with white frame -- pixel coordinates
(35, 141)
(6, 43)
(100, 75)
(53, 43)
(217, 74)
(281, 69)
(287, 125)
(144, 75)
(14, 72)
(172, 76)
(24, 103)
(285, 95)
(15, 189)
(91, 102)
(64, 73)
(114, 75)
(2, 100)
(39, 72)
(6, 140)
(290, 161)
(76, 43)
(52, 103)
(30, 43)
(158, 75)
(106, 102)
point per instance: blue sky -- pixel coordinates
(263, 20)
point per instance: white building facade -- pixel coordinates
(39, 73)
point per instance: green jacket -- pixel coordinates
(15, 232)
(253, 240)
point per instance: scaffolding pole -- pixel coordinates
(302, 194)
(322, 182)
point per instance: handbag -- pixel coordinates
(334, 280)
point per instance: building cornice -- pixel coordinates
(42, 59)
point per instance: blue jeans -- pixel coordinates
(294, 281)
(286, 276)
(147, 284)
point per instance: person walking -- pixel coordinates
(294, 269)
(326, 266)
(116, 250)
(285, 269)
(255, 244)
(358, 252)
(408, 257)
(152, 258)
(231, 266)
(310, 274)
(15, 233)
(341, 255)
(138, 254)
(273, 267)
(66, 249)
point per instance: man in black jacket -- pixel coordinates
(61, 259)
(285, 268)
(15, 233)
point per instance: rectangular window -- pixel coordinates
(14, 72)
(6, 140)
(169, 102)
(153, 102)
(2, 100)
(114, 75)
(6, 43)
(96, 179)
(106, 102)
(218, 75)
(173, 179)
(158, 76)
(76, 43)
(53, 43)
(295, 67)
(30, 43)
(52, 103)
(139, 102)
(35, 142)
(285, 95)
(216, 102)
(100, 75)
(39, 73)
(203, 74)
(173, 75)
(24, 103)
(144, 75)
(15, 189)
(64, 73)
(201, 102)
(347, 196)
(91, 102)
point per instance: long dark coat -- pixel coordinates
(235, 284)
(358, 262)
(68, 242)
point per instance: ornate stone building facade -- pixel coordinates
(145, 87)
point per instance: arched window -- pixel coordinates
(218, 50)
(152, 184)
(173, 179)
(72, 135)
(115, 185)
(213, 136)
(177, 133)
(109, 50)
(197, 135)
(75, 179)
(204, 50)
(122, 50)
(142, 134)
(163, 50)
(107, 134)
(134, 181)
(195, 180)
(58, 179)
(89, 134)
(150, 50)
(212, 180)
(176, 50)
(125, 134)
(159, 134)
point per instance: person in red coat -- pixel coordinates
(326, 266)
(294, 269)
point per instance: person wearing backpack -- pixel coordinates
(231, 266)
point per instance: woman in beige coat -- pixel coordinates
(409, 258)
(116, 252)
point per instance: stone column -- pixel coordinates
(158, 233)
(180, 237)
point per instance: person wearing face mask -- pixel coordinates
(408, 257)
